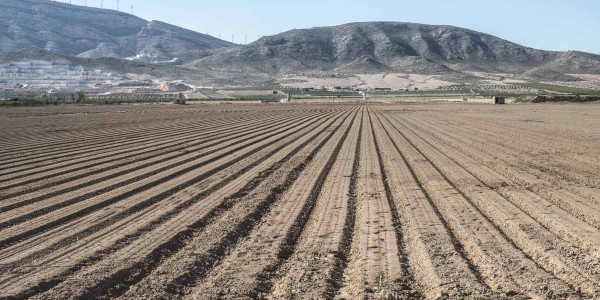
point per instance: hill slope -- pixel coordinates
(92, 33)
(385, 46)
(123, 43)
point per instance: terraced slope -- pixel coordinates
(300, 201)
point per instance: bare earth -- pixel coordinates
(300, 201)
(394, 81)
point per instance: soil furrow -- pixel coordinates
(24, 230)
(375, 269)
(169, 246)
(205, 248)
(436, 257)
(71, 184)
(485, 244)
(553, 254)
(326, 240)
(564, 194)
(49, 148)
(113, 154)
(273, 241)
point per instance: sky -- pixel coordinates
(543, 24)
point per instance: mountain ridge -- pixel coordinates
(93, 33)
(94, 37)
(397, 46)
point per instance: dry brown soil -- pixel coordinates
(300, 201)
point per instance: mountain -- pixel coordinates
(93, 33)
(119, 42)
(393, 46)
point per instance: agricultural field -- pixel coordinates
(300, 201)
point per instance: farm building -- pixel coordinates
(179, 100)
(499, 100)
(287, 99)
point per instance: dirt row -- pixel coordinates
(300, 201)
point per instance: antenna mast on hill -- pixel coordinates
(232, 36)
(132, 9)
(245, 39)
(117, 5)
(101, 4)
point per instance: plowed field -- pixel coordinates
(300, 201)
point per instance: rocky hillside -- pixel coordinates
(119, 42)
(387, 46)
(92, 33)
(139, 69)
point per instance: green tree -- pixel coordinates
(80, 97)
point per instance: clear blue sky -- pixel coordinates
(543, 24)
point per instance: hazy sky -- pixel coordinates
(544, 24)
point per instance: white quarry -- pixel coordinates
(53, 75)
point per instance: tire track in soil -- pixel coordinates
(504, 266)
(328, 235)
(546, 249)
(436, 257)
(272, 242)
(163, 250)
(28, 232)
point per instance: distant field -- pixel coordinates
(559, 88)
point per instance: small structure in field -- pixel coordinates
(287, 99)
(364, 95)
(179, 100)
(499, 100)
